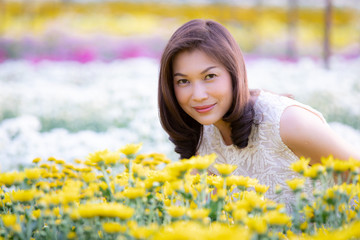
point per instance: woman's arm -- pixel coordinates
(306, 134)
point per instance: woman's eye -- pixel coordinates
(182, 82)
(210, 76)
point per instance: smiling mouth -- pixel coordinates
(205, 108)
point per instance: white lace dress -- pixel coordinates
(266, 157)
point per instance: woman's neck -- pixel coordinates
(225, 131)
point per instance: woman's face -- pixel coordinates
(202, 86)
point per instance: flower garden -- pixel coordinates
(78, 84)
(124, 195)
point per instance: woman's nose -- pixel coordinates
(199, 92)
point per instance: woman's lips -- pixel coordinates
(204, 108)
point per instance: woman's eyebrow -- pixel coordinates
(204, 71)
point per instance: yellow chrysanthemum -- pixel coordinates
(260, 188)
(315, 171)
(88, 177)
(130, 149)
(296, 184)
(198, 213)
(9, 220)
(133, 193)
(36, 213)
(301, 165)
(217, 181)
(71, 235)
(277, 218)
(33, 173)
(36, 160)
(90, 210)
(176, 211)
(96, 157)
(11, 178)
(203, 162)
(225, 169)
(143, 232)
(24, 195)
(241, 181)
(113, 227)
(110, 158)
(240, 214)
(257, 224)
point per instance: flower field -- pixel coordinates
(124, 195)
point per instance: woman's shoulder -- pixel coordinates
(272, 105)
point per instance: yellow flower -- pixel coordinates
(88, 177)
(6, 199)
(218, 181)
(203, 162)
(36, 213)
(257, 224)
(177, 169)
(124, 161)
(11, 178)
(341, 166)
(36, 160)
(110, 158)
(308, 211)
(354, 164)
(277, 218)
(133, 193)
(182, 230)
(176, 211)
(240, 214)
(260, 188)
(225, 169)
(314, 171)
(75, 214)
(24, 195)
(44, 186)
(167, 202)
(78, 161)
(113, 227)
(59, 161)
(328, 162)
(330, 193)
(242, 182)
(139, 171)
(9, 220)
(130, 149)
(221, 193)
(33, 173)
(198, 213)
(90, 210)
(96, 157)
(143, 232)
(51, 159)
(254, 201)
(301, 165)
(303, 226)
(296, 184)
(71, 235)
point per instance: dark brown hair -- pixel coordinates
(216, 41)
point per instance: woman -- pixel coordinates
(205, 106)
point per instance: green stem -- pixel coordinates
(107, 181)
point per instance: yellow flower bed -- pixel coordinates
(248, 25)
(126, 195)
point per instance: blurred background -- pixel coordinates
(78, 76)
